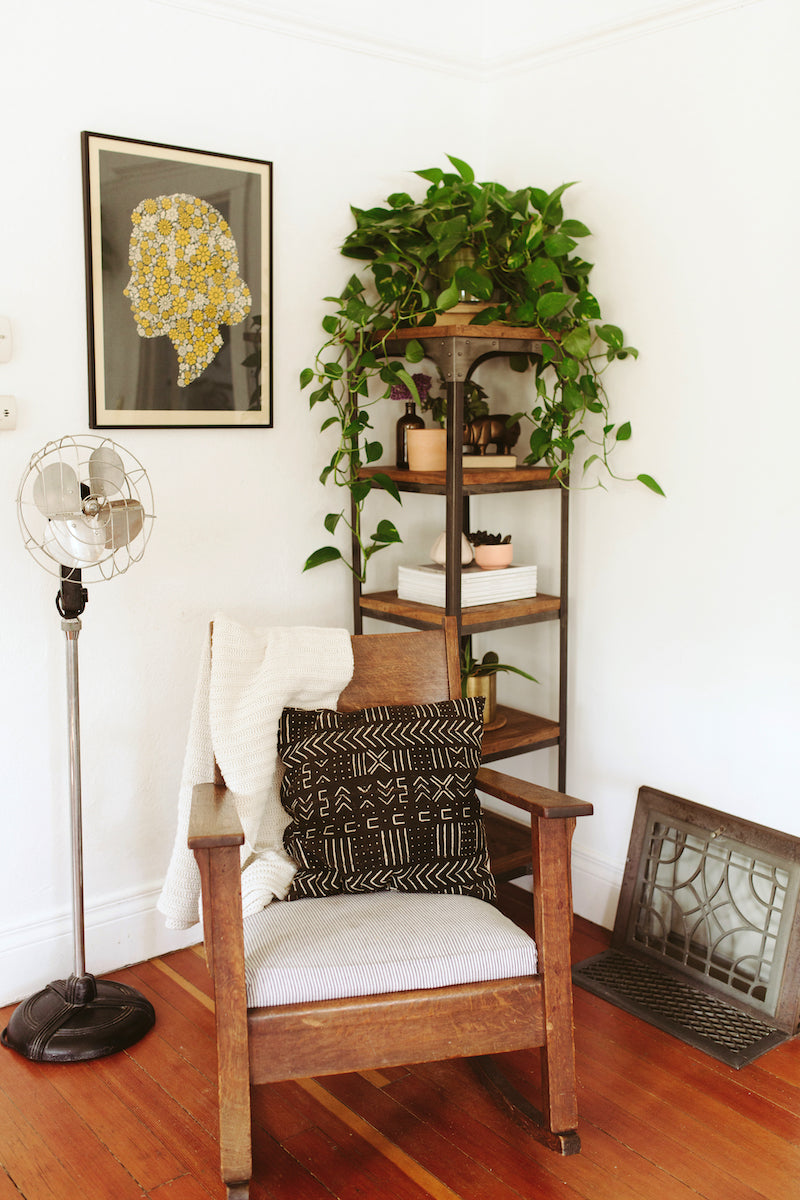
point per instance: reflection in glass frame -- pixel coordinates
(179, 286)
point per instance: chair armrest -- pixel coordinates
(214, 820)
(536, 800)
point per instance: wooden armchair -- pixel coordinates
(291, 1041)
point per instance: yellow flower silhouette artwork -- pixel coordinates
(184, 263)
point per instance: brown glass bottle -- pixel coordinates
(409, 420)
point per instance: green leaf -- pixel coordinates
(386, 532)
(360, 489)
(578, 342)
(331, 521)
(306, 375)
(408, 380)
(518, 362)
(611, 335)
(414, 351)
(624, 432)
(551, 304)
(542, 270)
(447, 298)
(432, 174)
(320, 394)
(575, 229)
(388, 485)
(523, 314)
(464, 169)
(551, 209)
(649, 482)
(373, 451)
(587, 307)
(474, 283)
(330, 324)
(572, 397)
(487, 315)
(540, 440)
(324, 555)
(592, 458)
(558, 244)
(334, 370)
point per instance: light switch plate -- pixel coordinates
(8, 412)
(5, 340)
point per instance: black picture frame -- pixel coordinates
(178, 284)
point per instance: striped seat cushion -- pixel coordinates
(365, 944)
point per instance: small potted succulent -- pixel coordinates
(479, 678)
(492, 550)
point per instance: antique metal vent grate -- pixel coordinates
(706, 943)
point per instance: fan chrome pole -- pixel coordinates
(72, 628)
(80, 1018)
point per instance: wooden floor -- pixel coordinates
(659, 1121)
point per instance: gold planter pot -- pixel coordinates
(486, 686)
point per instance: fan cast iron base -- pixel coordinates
(77, 1019)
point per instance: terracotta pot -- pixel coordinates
(486, 686)
(427, 449)
(492, 558)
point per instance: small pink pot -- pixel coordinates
(492, 558)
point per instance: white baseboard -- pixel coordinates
(128, 929)
(596, 884)
(120, 930)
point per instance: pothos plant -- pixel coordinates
(512, 250)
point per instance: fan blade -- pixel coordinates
(106, 472)
(56, 492)
(76, 542)
(127, 520)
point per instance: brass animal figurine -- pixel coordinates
(491, 431)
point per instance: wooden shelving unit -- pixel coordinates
(456, 350)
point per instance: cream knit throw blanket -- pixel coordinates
(242, 689)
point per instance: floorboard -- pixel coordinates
(659, 1120)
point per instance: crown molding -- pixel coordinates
(470, 54)
(375, 41)
(602, 37)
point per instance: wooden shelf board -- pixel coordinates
(522, 732)
(385, 606)
(496, 330)
(475, 481)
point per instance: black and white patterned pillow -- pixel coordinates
(385, 798)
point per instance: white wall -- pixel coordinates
(683, 644)
(238, 512)
(684, 635)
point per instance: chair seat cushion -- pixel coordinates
(365, 944)
(384, 798)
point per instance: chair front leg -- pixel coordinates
(551, 840)
(222, 914)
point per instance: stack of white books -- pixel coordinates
(426, 584)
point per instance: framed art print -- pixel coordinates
(179, 286)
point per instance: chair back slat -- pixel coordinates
(404, 668)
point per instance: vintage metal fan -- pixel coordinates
(85, 509)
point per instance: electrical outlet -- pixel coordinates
(8, 412)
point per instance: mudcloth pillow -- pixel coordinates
(385, 798)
